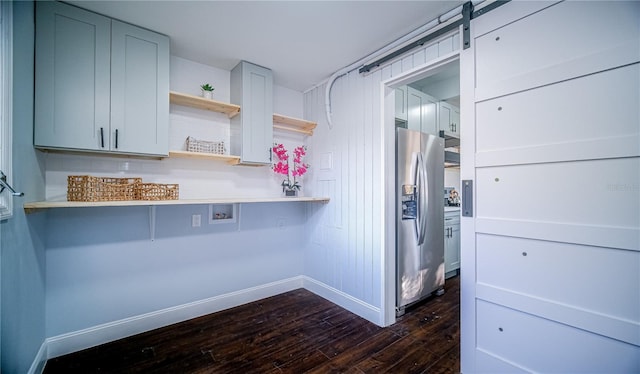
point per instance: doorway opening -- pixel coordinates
(425, 99)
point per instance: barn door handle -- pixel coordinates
(467, 198)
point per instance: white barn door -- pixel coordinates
(551, 257)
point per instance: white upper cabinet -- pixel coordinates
(101, 85)
(421, 112)
(139, 90)
(72, 95)
(449, 118)
(252, 129)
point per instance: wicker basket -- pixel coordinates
(157, 191)
(203, 146)
(88, 188)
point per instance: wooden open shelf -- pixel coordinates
(37, 205)
(229, 159)
(231, 110)
(293, 124)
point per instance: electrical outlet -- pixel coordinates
(196, 220)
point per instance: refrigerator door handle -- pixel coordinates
(415, 170)
(423, 199)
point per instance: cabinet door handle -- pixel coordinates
(116, 138)
(102, 137)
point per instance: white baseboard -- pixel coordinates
(37, 367)
(93, 336)
(364, 310)
(96, 335)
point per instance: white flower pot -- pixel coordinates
(207, 94)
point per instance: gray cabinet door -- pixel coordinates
(139, 90)
(72, 78)
(252, 129)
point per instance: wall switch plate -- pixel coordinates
(196, 220)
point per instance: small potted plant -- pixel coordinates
(207, 91)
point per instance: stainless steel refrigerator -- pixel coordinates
(420, 216)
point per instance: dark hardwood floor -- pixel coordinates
(295, 332)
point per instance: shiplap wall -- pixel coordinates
(346, 251)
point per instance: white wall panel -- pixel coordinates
(508, 126)
(351, 259)
(491, 364)
(545, 346)
(603, 281)
(564, 32)
(587, 193)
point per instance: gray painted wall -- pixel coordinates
(23, 258)
(102, 265)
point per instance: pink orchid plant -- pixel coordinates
(297, 169)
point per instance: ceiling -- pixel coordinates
(302, 42)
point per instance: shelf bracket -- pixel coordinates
(152, 222)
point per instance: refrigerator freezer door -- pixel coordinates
(420, 215)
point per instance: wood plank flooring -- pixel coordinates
(295, 332)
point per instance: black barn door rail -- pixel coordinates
(467, 15)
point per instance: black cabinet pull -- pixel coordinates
(116, 138)
(102, 137)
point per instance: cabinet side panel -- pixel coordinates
(235, 96)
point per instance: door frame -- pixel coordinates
(388, 216)
(6, 103)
